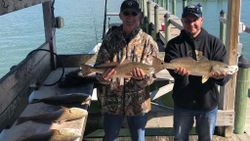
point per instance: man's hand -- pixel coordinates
(108, 74)
(182, 71)
(138, 73)
(218, 74)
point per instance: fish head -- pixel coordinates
(229, 69)
(232, 69)
(158, 64)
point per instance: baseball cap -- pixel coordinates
(130, 4)
(195, 10)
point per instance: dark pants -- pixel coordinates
(113, 123)
(184, 119)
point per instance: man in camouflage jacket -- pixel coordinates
(120, 97)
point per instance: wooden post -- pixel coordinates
(146, 24)
(156, 15)
(243, 79)
(149, 11)
(222, 27)
(167, 26)
(161, 3)
(156, 20)
(49, 19)
(150, 18)
(174, 7)
(227, 96)
(145, 10)
(184, 3)
(167, 5)
(140, 4)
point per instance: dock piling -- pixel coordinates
(222, 26)
(174, 7)
(167, 26)
(156, 22)
(184, 3)
(243, 79)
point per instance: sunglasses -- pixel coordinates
(189, 21)
(128, 13)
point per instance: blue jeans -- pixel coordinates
(113, 123)
(184, 119)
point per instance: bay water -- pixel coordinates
(23, 31)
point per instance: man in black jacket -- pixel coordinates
(192, 98)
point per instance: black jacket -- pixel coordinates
(188, 91)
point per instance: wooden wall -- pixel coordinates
(14, 87)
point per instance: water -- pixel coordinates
(22, 31)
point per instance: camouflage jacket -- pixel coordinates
(122, 96)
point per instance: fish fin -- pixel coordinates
(107, 65)
(59, 121)
(204, 78)
(203, 58)
(85, 69)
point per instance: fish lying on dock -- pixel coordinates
(123, 69)
(64, 99)
(59, 116)
(202, 67)
(65, 134)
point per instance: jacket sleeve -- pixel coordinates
(103, 56)
(151, 51)
(172, 52)
(219, 54)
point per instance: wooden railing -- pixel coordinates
(15, 85)
(7, 6)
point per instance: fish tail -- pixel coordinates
(86, 69)
(157, 64)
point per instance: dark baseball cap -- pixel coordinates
(131, 5)
(195, 10)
